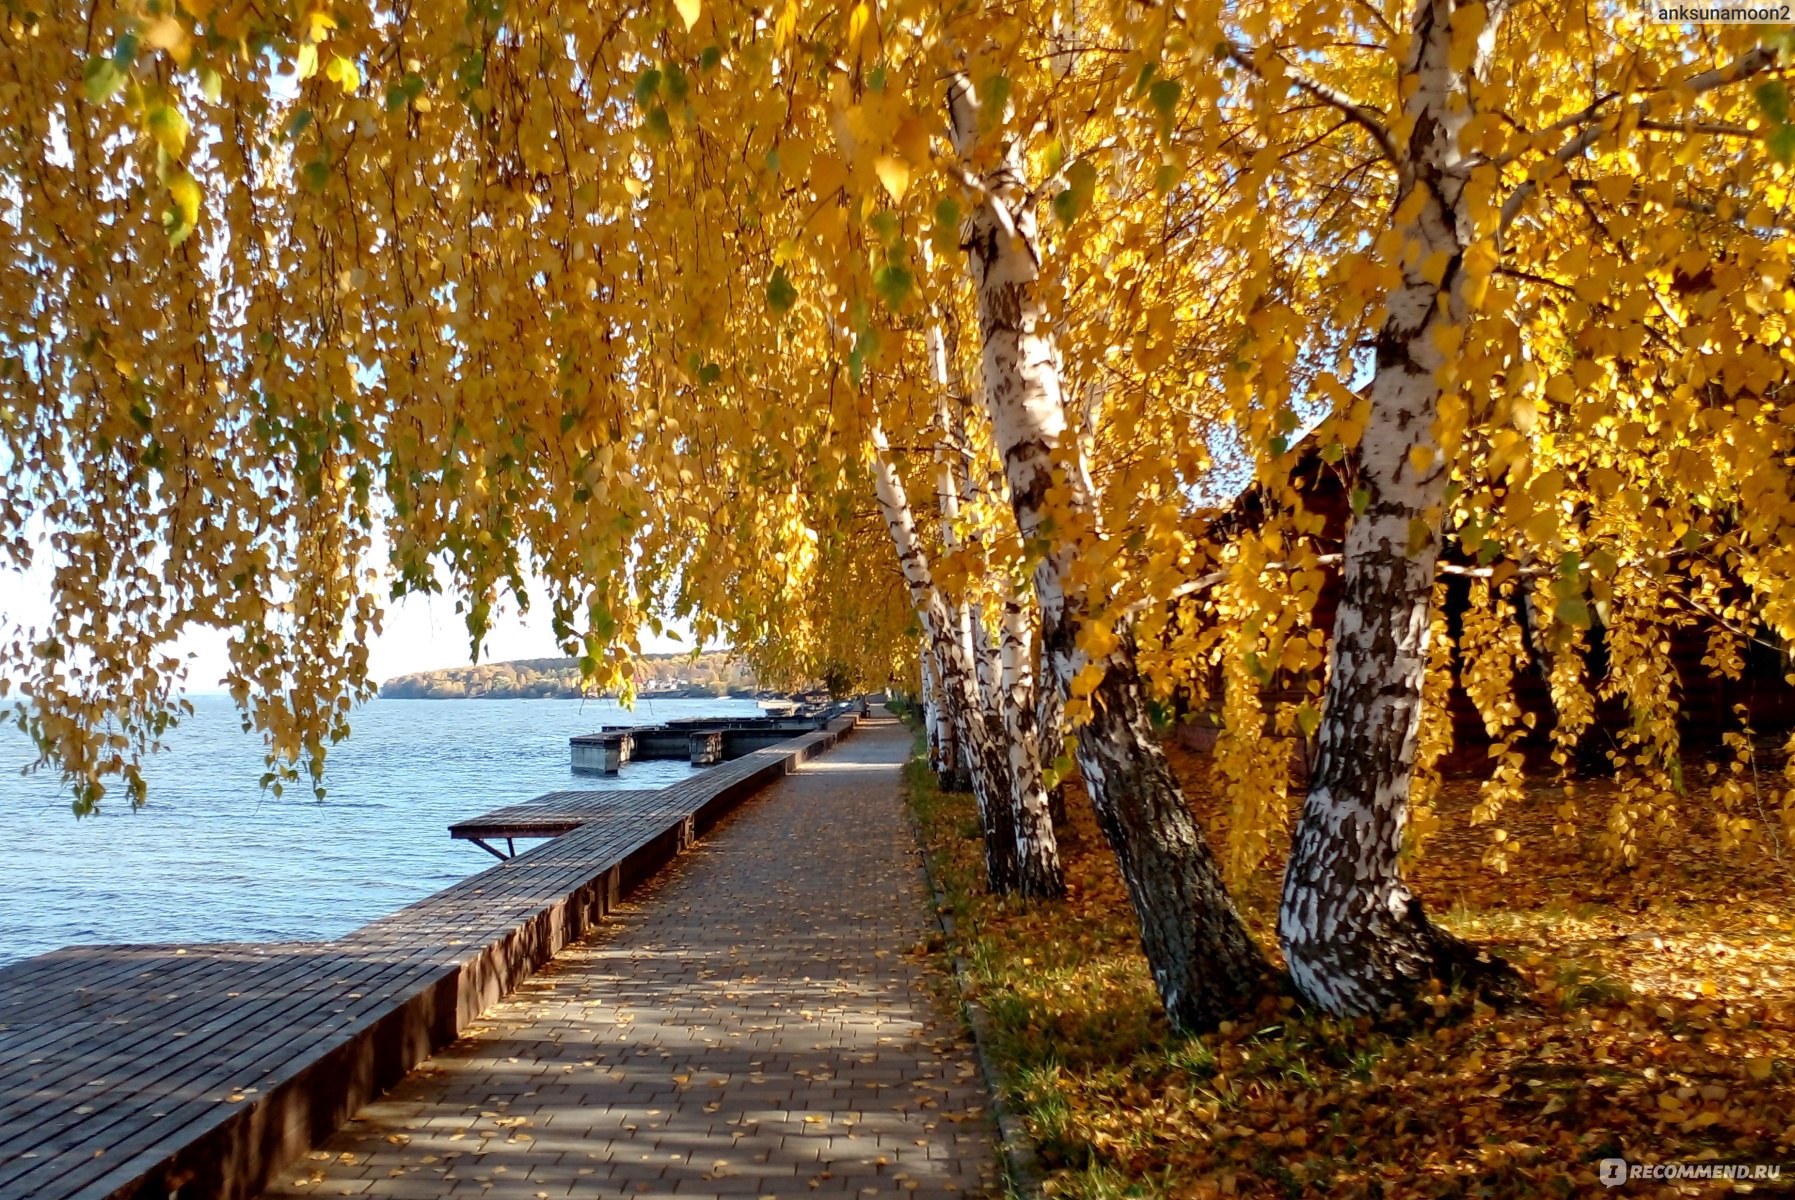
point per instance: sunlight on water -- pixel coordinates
(214, 858)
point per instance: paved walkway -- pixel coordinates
(756, 1023)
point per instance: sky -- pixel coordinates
(420, 633)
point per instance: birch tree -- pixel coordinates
(1456, 283)
(1203, 960)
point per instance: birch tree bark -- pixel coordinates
(1038, 870)
(945, 757)
(931, 714)
(1204, 963)
(1006, 683)
(1050, 727)
(985, 759)
(1355, 938)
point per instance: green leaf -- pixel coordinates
(1361, 500)
(472, 72)
(1572, 611)
(1163, 96)
(103, 79)
(885, 224)
(994, 97)
(1081, 184)
(647, 84)
(1773, 98)
(894, 282)
(944, 235)
(864, 345)
(211, 83)
(659, 124)
(1781, 143)
(781, 295)
(315, 174)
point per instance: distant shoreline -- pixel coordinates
(713, 676)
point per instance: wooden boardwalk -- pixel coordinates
(199, 1071)
(756, 1021)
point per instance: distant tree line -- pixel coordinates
(717, 674)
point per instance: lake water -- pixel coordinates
(212, 857)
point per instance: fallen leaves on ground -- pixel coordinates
(1661, 1028)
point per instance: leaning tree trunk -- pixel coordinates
(946, 756)
(1204, 962)
(985, 759)
(931, 715)
(1355, 938)
(1006, 684)
(1037, 849)
(1050, 718)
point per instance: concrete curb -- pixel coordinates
(1023, 1170)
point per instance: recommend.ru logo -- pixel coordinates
(1615, 1171)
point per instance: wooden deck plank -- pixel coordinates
(276, 1013)
(200, 1096)
(195, 995)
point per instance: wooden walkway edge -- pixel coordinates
(201, 1071)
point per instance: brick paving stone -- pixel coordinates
(755, 1022)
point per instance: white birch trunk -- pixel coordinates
(1037, 849)
(1050, 719)
(931, 712)
(985, 760)
(945, 758)
(1355, 938)
(1204, 962)
(1007, 696)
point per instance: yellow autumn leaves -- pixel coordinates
(625, 283)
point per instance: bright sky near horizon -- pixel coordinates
(420, 633)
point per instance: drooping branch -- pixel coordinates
(1754, 62)
(1364, 116)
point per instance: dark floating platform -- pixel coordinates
(191, 1072)
(701, 741)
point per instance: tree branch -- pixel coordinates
(1755, 61)
(1367, 118)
